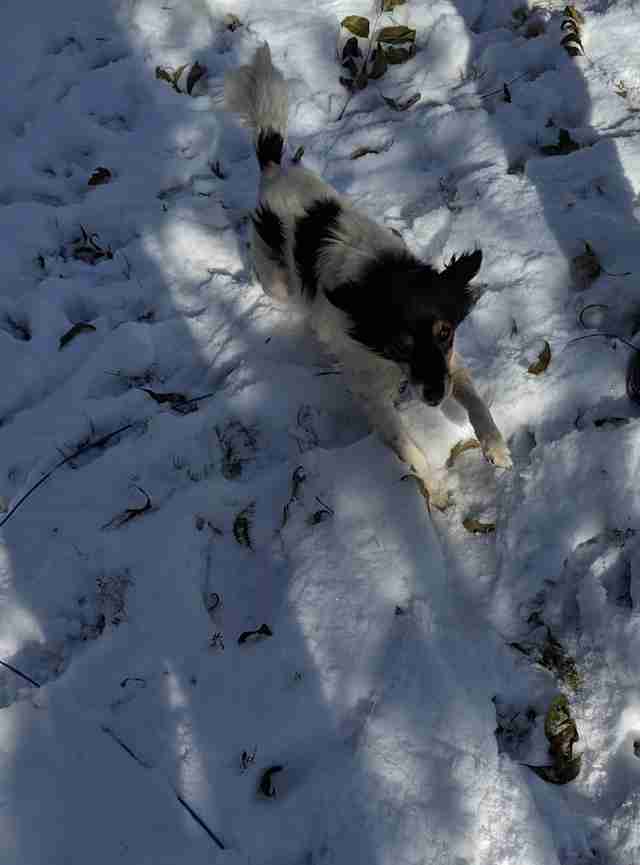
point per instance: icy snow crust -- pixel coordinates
(128, 576)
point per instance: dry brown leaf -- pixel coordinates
(544, 359)
(100, 175)
(586, 267)
(476, 527)
(396, 35)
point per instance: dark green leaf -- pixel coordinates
(357, 25)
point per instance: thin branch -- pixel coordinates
(200, 821)
(608, 335)
(85, 447)
(180, 799)
(500, 90)
(22, 675)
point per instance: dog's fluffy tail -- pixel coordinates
(257, 93)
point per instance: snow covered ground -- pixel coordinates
(406, 679)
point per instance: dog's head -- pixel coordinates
(408, 312)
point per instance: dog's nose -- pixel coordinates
(432, 395)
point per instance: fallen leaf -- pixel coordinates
(265, 785)
(476, 527)
(242, 526)
(377, 64)
(262, 631)
(562, 734)
(402, 106)
(231, 21)
(357, 25)
(558, 774)
(544, 359)
(396, 35)
(586, 267)
(394, 56)
(564, 146)
(100, 175)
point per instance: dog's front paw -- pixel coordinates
(435, 495)
(497, 452)
(439, 497)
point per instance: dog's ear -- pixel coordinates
(461, 270)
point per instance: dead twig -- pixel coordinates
(82, 449)
(19, 673)
(129, 513)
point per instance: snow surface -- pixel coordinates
(391, 662)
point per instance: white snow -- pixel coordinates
(403, 689)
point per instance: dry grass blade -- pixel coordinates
(106, 729)
(76, 453)
(460, 448)
(20, 674)
(589, 310)
(130, 513)
(80, 327)
(359, 152)
(177, 401)
(87, 249)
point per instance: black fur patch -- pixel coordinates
(269, 147)
(312, 232)
(270, 229)
(395, 305)
(383, 302)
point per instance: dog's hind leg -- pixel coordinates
(270, 269)
(493, 445)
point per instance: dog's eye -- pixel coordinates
(444, 333)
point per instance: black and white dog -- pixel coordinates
(385, 314)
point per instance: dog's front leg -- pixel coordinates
(493, 445)
(390, 427)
